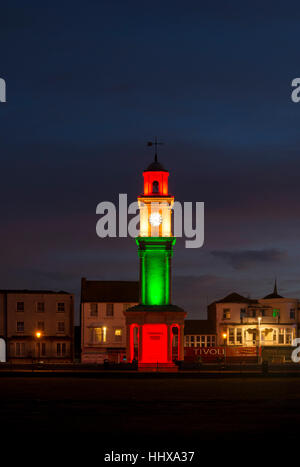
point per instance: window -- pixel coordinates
(242, 312)
(20, 326)
(288, 336)
(208, 341)
(41, 325)
(98, 335)
(109, 309)
(198, 341)
(60, 349)
(187, 341)
(275, 312)
(43, 349)
(192, 340)
(231, 335)
(213, 341)
(20, 306)
(292, 313)
(20, 349)
(239, 336)
(202, 341)
(281, 336)
(274, 336)
(155, 187)
(60, 307)
(40, 307)
(60, 326)
(118, 335)
(262, 313)
(93, 309)
(226, 313)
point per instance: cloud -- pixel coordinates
(248, 258)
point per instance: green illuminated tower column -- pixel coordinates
(155, 269)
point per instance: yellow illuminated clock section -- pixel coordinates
(155, 219)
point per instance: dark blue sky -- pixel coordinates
(88, 83)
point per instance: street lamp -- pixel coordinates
(38, 335)
(224, 335)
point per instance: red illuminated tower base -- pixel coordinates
(155, 336)
(155, 327)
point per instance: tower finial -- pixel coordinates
(275, 287)
(155, 143)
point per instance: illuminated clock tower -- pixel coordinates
(155, 326)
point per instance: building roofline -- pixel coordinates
(28, 291)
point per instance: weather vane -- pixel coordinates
(155, 143)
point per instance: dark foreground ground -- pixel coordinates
(150, 413)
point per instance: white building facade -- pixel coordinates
(103, 329)
(267, 323)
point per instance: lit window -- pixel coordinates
(93, 309)
(231, 335)
(288, 336)
(226, 313)
(20, 306)
(281, 336)
(40, 307)
(118, 335)
(99, 335)
(109, 309)
(20, 326)
(239, 336)
(60, 307)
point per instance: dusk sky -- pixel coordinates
(89, 83)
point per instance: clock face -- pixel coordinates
(155, 219)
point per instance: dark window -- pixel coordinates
(155, 187)
(20, 326)
(292, 313)
(93, 309)
(40, 307)
(41, 326)
(60, 326)
(20, 306)
(109, 309)
(60, 307)
(20, 349)
(60, 349)
(43, 349)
